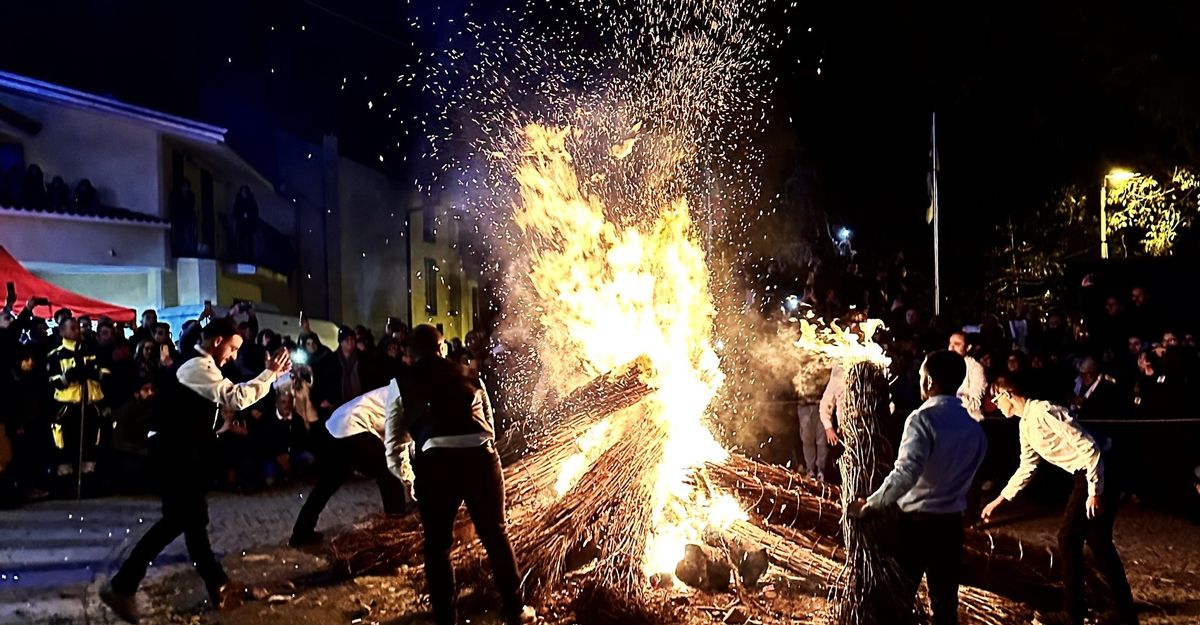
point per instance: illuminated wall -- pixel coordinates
(437, 272)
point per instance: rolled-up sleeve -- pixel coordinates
(1028, 467)
(202, 376)
(833, 390)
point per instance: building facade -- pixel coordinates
(90, 188)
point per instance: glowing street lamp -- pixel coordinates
(1116, 175)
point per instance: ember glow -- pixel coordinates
(608, 294)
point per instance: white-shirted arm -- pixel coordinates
(202, 376)
(833, 390)
(395, 434)
(1087, 452)
(487, 405)
(1027, 468)
(972, 389)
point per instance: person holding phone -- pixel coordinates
(184, 449)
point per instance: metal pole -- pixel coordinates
(1104, 218)
(83, 399)
(937, 264)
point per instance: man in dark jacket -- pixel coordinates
(184, 448)
(449, 418)
(337, 377)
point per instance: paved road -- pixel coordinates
(53, 554)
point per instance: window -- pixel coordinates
(454, 285)
(431, 291)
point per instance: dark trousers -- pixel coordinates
(184, 511)
(363, 452)
(445, 479)
(931, 545)
(1076, 530)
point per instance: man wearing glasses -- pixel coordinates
(1049, 433)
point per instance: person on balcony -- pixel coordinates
(245, 223)
(184, 219)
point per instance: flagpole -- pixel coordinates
(937, 262)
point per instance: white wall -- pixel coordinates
(137, 289)
(53, 239)
(119, 156)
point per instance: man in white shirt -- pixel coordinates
(357, 429)
(1049, 433)
(184, 449)
(975, 384)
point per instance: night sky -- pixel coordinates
(1029, 98)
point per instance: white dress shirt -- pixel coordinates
(202, 375)
(972, 389)
(364, 413)
(1049, 433)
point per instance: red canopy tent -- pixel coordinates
(28, 285)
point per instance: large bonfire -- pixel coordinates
(623, 491)
(620, 497)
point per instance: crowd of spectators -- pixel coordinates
(1112, 354)
(79, 406)
(1115, 357)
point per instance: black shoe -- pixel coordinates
(124, 606)
(305, 539)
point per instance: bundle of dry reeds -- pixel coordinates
(870, 587)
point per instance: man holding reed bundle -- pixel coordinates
(940, 451)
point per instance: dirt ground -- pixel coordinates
(1162, 559)
(1161, 552)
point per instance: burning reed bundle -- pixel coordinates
(870, 587)
(384, 544)
(604, 517)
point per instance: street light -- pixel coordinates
(1118, 175)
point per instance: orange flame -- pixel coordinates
(608, 294)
